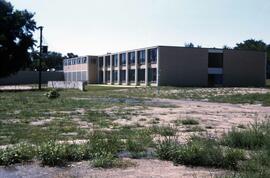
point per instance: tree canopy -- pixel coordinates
(252, 44)
(16, 38)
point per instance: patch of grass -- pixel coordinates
(199, 153)
(99, 119)
(194, 129)
(138, 142)
(164, 130)
(190, 121)
(252, 138)
(22, 152)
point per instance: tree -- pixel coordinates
(16, 38)
(189, 45)
(252, 44)
(70, 55)
(226, 47)
(50, 60)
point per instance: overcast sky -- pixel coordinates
(100, 26)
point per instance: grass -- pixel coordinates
(243, 149)
(189, 121)
(200, 152)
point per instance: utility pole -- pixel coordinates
(40, 58)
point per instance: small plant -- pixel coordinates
(164, 130)
(253, 138)
(52, 94)
(17, 154)
(53, 154)
(190, 121)
(105, 160)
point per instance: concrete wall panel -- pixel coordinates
(244, 68)
(180, 66)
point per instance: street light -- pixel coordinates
(40, 57)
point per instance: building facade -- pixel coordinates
(173, 66)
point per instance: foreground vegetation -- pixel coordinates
(34, 127)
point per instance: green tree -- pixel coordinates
(50, 60)
(16, 38)
(252, 44)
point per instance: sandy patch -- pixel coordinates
(215, 118)
(143, 169)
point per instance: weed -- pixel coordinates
(17, 154)
(190, 121)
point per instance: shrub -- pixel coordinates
(190, 121)
(53, 154)
(166, 149)
(104, 160)
(100, 143)
(164, 130)
(17, 154)
(138, 142)
(199, 152)
(52, 94)
(253, 138)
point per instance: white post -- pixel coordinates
(127, 68)
(104, 71)
(157, 67)
(146, 67)
(111, 72)
(118, 72)
(136, 68)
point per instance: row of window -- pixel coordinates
(68, 62)
(152, 75)
(76, 76)
(152, 58)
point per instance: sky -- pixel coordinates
(95, 27)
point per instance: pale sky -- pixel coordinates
(95, 27)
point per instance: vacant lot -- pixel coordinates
(133, 131)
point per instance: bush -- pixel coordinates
(100, 143)
(104, 160)
(190, 121)
(53, 154)
(164, 130)
(199, 153)
(138, 142)
(17, 154)
(52, 94)
(253, 138)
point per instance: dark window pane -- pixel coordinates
(215, 60)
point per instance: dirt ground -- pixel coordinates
(214, 118)
(143, 169)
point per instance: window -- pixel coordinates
(131, 58)
(79, 61)
(115, 60)
(141, 57)
(69, 62)
(114, 75)
(100, 76)
(123, 75)
(152, 74)
(107, 61)
(215, 60)
(65, 62)
(73, 61)
(100, 61)
(131, 75)
(107, 76)
(141, 73)
(152, 55)
(84, 60)
(123, 59)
